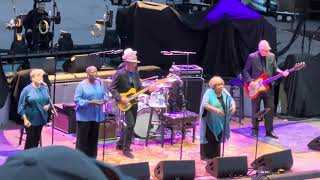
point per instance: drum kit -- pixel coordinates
(158, 100)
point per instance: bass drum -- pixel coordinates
(141, 127)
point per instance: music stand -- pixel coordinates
(187, 54)
(260, 117)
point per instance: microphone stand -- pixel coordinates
(226, 109)
(55, 114)
(55, 66)
(311, 37)
(260, 115)
(187, 54)
(107, 117)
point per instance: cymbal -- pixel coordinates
(164, 85)
(148, 83)
(170, 80)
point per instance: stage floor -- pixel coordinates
(240, 144)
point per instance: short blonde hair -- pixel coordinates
(215, 80)
(37, 72)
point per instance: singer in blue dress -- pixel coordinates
(33, 107)
(89, 98)
(216, 109)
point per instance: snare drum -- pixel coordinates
(142, 122)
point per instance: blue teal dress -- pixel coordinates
(85, 92)
(212, 119)
(31, 103)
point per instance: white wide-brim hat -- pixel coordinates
(130, 55)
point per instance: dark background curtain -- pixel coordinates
(302, 88)
(222, 40)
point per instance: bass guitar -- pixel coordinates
(261, 83)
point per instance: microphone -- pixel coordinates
(43, 83)
(183, 52)
(98, 79)
(166, 53)
(117, 51)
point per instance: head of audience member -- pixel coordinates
(264, 48)
(217, 84)
(91, 73)
(130, 59)
(56, 162)
(36, 76)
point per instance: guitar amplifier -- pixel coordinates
(108, 128)
(187, 71)
(66, 119)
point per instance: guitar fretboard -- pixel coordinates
(273, 78)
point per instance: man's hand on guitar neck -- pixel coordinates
(284, 73)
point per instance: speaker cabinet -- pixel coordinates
(136, 170)
(274, 161)
(193, 93)
(315, 144)
(222, 167)
(108, 129)
(79, 63)
(47, 64)
(171, 170)
(66, 119)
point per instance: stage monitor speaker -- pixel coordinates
(183, 169)
(47, 64)
(136, 170)
(315, 144)
(274, 161)
(225, 167)
(79, 63)
(193, 95)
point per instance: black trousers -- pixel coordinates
(87, 137)
(127, 134)
(33, 136)
(268, 100)
(212, 148)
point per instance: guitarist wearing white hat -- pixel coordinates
(126, 78)
(262, 62)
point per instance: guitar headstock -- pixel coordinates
(299, 66)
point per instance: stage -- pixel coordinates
(293, 135)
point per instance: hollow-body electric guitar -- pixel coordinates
(261, 83)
